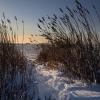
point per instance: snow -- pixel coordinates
(52, 85)
(30, 50)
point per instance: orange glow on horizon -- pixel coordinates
(35, 39)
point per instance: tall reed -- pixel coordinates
(15, 77)
(74, 42)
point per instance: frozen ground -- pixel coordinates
(53, 86)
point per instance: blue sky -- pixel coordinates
(31, 10)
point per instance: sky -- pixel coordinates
(31, 10)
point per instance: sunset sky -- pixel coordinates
(31, 10)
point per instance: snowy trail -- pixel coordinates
(52, 84)
(45, 90)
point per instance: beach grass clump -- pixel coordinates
(73, 41)
(15, 77)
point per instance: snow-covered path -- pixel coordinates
(51, 85)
